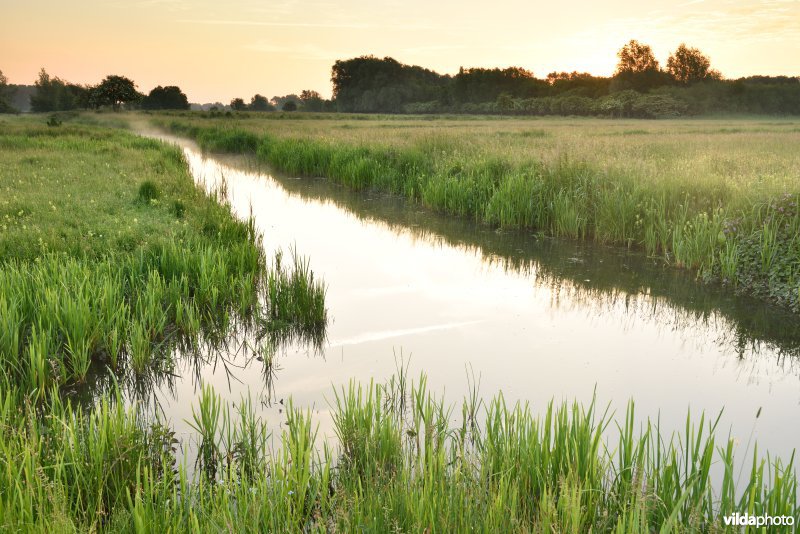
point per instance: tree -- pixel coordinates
(260, 103)
(504, 103)
(368, 84)
(312, 100)
(289, 105)
(279, 101)
(54, 94)
(638, 69)
(5, 107)
(170, 97)
(115, 91)
(636, 57)
(688, 65)
(237, 104)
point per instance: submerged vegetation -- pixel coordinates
(722, 201)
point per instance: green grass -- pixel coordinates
(101, 269)
(404, 463)
(111, 256)
(719, 197)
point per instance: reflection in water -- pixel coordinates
(243, 347)
(535, 318)
(579, 275)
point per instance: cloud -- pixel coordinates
(720, 20)
(332, 24)
(214, 22)
(306, 51)
(172, 5)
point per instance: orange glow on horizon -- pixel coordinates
(216, 54)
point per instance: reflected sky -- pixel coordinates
(535, 318)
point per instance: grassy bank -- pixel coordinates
(111, 257)
(403, 464)
(716, 196)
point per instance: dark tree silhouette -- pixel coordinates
(237, 104)
(638, 69)
(312, 100)
(689, 65)
(170, 97)
(368, 84)
(260, 103)
(5, 95)
(115, 91)
(289, 105)
(54, 94)
(636, 57)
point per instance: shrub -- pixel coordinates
(148, 191)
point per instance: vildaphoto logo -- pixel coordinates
(743, 520)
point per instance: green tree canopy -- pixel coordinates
(115, 91)
(689, 65)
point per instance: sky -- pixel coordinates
(218, 50)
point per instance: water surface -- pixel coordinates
(535, 318)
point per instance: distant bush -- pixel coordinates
(657, 107)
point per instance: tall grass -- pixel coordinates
(60, 316)
(402, 463)
(686, 222)
(125, 304)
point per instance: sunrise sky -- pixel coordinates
(219, 50)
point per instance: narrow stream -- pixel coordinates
(534, 318)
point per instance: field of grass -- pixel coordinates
(718, 196)
(111, 255)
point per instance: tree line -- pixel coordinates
(639, 87)
(51, 93)
(307, 100)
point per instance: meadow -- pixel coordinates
(718, 196)
(112, 257)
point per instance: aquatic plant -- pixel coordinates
(555, 468)
(625, 190)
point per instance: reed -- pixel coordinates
(581, 181)
(559, 468)
(126, 302)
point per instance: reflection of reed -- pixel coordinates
(580, 275)
(244, 345)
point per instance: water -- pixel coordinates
(535, 318)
